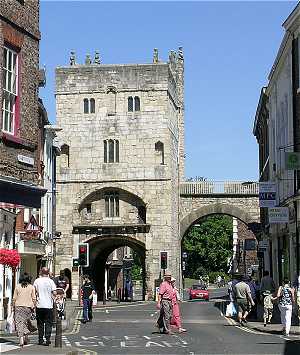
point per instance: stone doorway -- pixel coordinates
(111, 263)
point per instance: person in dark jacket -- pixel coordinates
(88, 290)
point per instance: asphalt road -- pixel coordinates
(131, 330)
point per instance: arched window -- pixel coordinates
(159, 150)
(86, 106)
(130, 104)
(92, 105)
(112, 204)
(111, 150)
(136, 103)
(65, 156)
(105, 151)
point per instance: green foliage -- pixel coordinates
(208, 246)
(136, 270)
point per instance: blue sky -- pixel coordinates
(229, 49)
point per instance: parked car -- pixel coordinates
(199, 292)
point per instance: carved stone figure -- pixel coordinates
(88, 59)
(155, 55)
(97, 59)
(72, 58)
(172, 57)
(180, 53)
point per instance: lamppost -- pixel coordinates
(184, 258)
(56, 237)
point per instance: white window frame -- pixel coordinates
(10, 71)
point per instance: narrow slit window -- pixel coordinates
(130, 104)
(159, 149)
(137, 105)
(111, 151)
(117, 151)
(112, 204)
(92, 105)
(86, 106)
(111, 154)
(105, 151)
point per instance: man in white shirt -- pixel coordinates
(45, 290)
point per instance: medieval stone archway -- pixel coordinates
(245, 227)
(216, 208)
(102, 265)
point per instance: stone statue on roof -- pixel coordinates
(97, 59)
(155, 55)
(72, 58)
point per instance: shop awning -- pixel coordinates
(21, 193)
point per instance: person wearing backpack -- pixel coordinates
(286, 296)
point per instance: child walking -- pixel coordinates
(268, 307)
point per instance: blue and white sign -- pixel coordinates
(267, 194)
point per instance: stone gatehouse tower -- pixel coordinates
(122, 159)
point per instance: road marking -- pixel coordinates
(122, 306)
(128, 341)
(66, 341)
(248, 330)
(76, 326)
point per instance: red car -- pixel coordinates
(199, 292)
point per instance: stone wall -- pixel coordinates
(144, 175)
(245, 208)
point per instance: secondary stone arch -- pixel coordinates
(85, 192)
(217, 208)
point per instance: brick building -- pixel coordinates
(22, 137)
(19, 63)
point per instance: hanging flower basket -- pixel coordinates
(10, 257)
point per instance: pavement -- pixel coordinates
(257, 324)
(9, 342)
(129, 328)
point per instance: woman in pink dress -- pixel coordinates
(176, 319)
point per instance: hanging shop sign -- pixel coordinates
(267, 194)
(292, 160)
(278, 215)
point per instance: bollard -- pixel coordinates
(119, 295)
(104, 297)
(58, 334)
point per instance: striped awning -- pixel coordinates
(7, 206)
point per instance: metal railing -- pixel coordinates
(219, 187)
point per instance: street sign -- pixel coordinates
(292, 160)
(250, 244)
(278, 215)
(267, 194)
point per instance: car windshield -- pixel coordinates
(199, 287)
